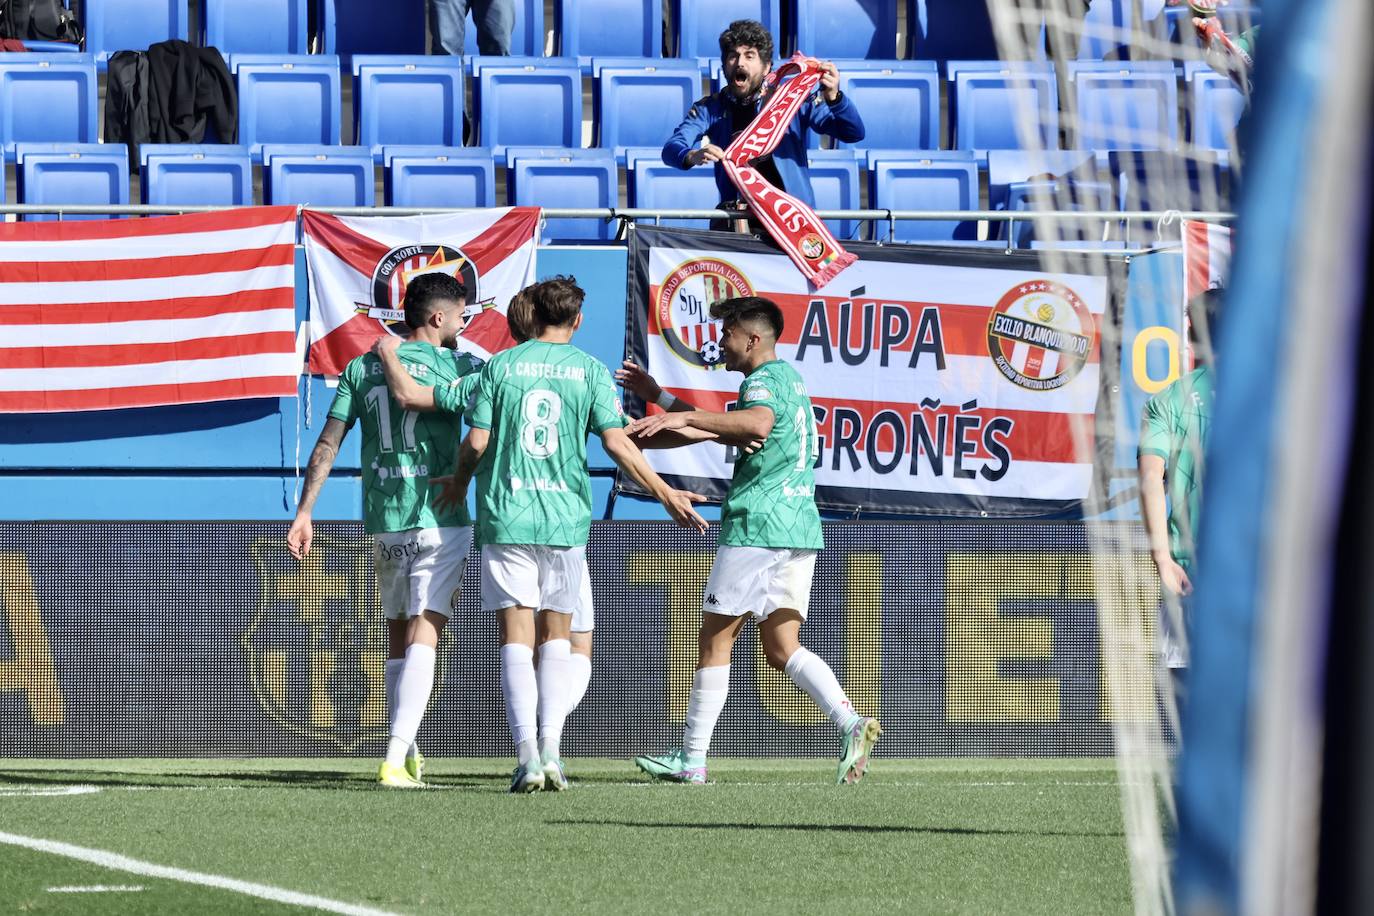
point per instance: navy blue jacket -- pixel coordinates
(711, 117)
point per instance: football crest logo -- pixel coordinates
(401, 265)
(1040, 335)
(682, 309)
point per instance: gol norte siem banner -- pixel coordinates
(943, 382)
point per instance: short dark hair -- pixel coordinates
(750, 33)
(520, 317)
(427, 289)
(752, 309)
(555, 302)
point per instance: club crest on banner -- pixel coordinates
(1040, 334)
(682, 311)
(401, 265)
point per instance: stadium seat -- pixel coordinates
(47, 98)
(256, 26)
(944, 30)
(652, 184)
(322, 176)
(1061, 196)
(1158, 181)
(1215, 107)
(565, 178)
(527, 36)
(132, 25)
(606, 28)
(176, 173)
(700, 23)
(430, 176)
(845, 28)
(1105, 28)
(936, 180)
(1125, 106)
(51, 47)
(407, 100)
(988, 99)
(641, 106)
(287, 99)
(835, 181)
(71, 173)
(900, 110)
(527, 102)
(349, 27)
(1007, 167)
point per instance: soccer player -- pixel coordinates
(770, 535)
(420, 547)
(535, 404)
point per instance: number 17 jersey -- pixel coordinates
(540, 400)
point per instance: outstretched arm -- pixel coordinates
(631, 461)
(302, 530)
(742, 428)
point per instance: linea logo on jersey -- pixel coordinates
(682, 310)
(399, 266)
(1040, 335)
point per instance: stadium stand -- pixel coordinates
(900, 109)
(934, 180)
(1215, 107)
(439, 177)
(1125, 105)
(71, 173)
(47, 98)
(835, 180)
(256, 26)
(988, 100)
(700, 22)
(287, 99)
(527, 36)
(527, 102)
(325, 176)
(564, 178)
(1160, 180)
(132, 25)
(640, 106)
(846, 28)
(605, 28)
(1065, 195)
(174, 173)
(651, 183)
(407, 100)
(1008, 167)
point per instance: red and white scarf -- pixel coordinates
(791, 223)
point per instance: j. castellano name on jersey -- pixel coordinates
(544, 370)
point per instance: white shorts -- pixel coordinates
(759, 580)
(584, 618)
(534, 576)
(420, 570)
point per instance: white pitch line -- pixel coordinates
(47, 790)
(96, 889)
(151, 870)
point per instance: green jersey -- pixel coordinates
(772, 498)
(403, 449)
(540, 400)
(1175, 428)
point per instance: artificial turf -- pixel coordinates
(931, 836)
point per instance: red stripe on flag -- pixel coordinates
(186, 266)
(490, 331)
(354, 249)
(147, 395)
(353, 336)
(1035, 361)
(60, 357)
(253, 300)
(96, 230)
(503, 238)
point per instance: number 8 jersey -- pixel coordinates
(772, 498)
(540, 400)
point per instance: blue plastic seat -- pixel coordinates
(1105, 28)
(1125, 106)
(527, 104)
(407, 100)
(1008, 167)
(349, 27)
(432, 176)
(72, 173)
(1063, 196)
(287, 99)
(700, 23)
(846, 28)
(936, 180)
(527, 35)
(132, 25)
(176, 173)
(945, 30)
(1215, 107)
(988, 99)
(900, 110)
(652, 184)
(47, 98)
(1160, 180)
(255, 26)
(608, 28)
(835, 180)
(321, 176)
(641, 106)
(565, 178)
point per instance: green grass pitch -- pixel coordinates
(930, 836)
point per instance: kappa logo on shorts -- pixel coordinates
(712, 600)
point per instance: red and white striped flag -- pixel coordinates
(1206, 257)
(359, 268)
(117, 313)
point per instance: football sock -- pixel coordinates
(579, 676)
(553, 680)
(393, 679)
(810, 672)
(521, 691)
(709, 689)
(412, 696)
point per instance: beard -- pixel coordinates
(749, 88)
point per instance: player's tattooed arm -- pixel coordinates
(455, 486)
(302, 532)
(405, 391)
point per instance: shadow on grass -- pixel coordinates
(839, 828)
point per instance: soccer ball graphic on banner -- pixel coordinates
(710, 352)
